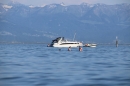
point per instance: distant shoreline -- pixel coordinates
(23, 43)
(49, 43)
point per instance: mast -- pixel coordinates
(74, 36)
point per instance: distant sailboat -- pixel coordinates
(116, 41)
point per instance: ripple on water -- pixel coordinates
(9, 78)
(37, 65)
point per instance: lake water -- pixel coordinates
(38, 65)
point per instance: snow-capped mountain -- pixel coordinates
(91, 22)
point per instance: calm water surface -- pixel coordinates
(38, 65)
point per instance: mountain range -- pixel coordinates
(97, 23)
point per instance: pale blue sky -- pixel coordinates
(67, 2)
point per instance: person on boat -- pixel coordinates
(80, 48)
(69, 49)
(48, 45)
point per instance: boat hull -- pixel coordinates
(65, 45)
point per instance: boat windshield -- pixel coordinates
(57, 39)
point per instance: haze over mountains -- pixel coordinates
(98, 23)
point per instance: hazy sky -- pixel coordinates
(67, 2)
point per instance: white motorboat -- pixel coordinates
(61, 42)
(90, 45)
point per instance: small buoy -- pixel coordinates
(48, 45)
